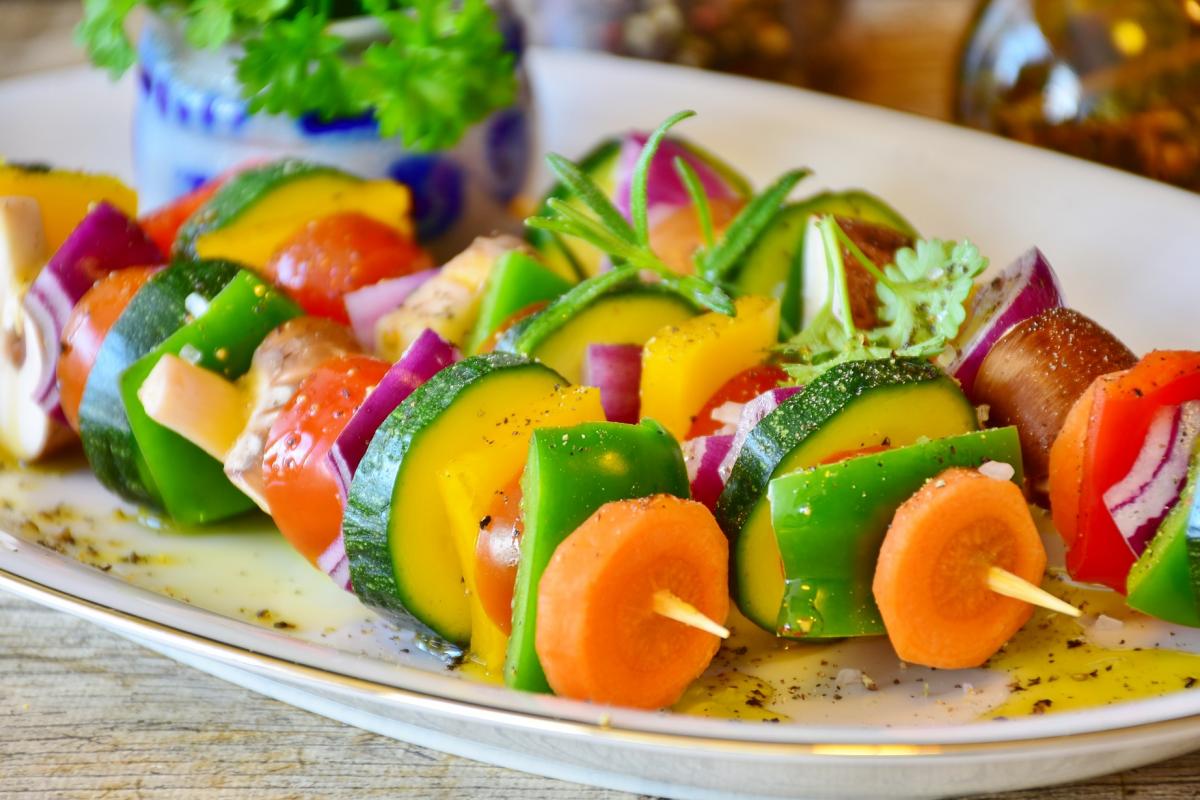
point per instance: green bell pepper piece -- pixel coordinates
(570, 473)
(515, 282)
(830, 522)
(1165, 580)
(191, 483)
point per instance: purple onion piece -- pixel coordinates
(753, 413)
(664, 188)
(616, 370)
(336, 564)
(1142, 499)
(425, 357)
(1023, 289)
(703, 456)
(367, 305)
(105, 240)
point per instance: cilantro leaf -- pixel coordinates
(922, 304)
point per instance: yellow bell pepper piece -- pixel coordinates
(64, 197)
(258, 232)
(685, 364)
(470, 482)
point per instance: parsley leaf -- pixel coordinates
(102, 33)
(209, 23)
(922, 304)
(294, 65)
(437, 68)
(437, 74)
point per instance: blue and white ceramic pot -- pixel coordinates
(191, 124)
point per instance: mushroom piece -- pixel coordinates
(285, 358)
(26, 431)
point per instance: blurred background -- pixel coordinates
(1117, 81)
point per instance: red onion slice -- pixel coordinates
(703, 456)
(1141, 500)
(616, 370)
(753, 413)
(367, 305)
(336, 564)
(105, 240)
(664, 187)
(426, 356)
(1023, 289)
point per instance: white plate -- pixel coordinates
(1126, 249)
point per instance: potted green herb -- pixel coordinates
(429, 92)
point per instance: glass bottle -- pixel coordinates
(1115, 81)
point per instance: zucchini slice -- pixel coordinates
(860, 404)
(259, 209)
(156, 311)
(616, 307)
(403, 560)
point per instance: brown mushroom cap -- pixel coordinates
(1038, 369)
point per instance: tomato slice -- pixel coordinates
(337, 254)
(741, 388)
(1122, 410)
(90, 321)
(489, 344)
(298, 483)
(497, 551)
(162, 224)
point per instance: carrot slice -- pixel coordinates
(931, 577)
(1066, 463)
(598, 636)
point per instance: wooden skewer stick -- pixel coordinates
(671, 606)
(1001, 581)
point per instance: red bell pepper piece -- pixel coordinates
(1121, 414)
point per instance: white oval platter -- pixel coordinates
(1128, 251)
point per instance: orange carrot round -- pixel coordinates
(1066, 463)
(931, 578)
(598, 636)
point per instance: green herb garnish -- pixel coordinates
(922, 304)
(607, 229)
(438, 66)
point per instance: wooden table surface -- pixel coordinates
(85, 714)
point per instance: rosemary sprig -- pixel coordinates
(607, 229)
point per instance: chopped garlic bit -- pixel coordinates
(849, 676)
(998, 470)
(1107, 623)
(10, 542)
(196, 305)
(982, 412)
(728, 413)
(190, 354)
